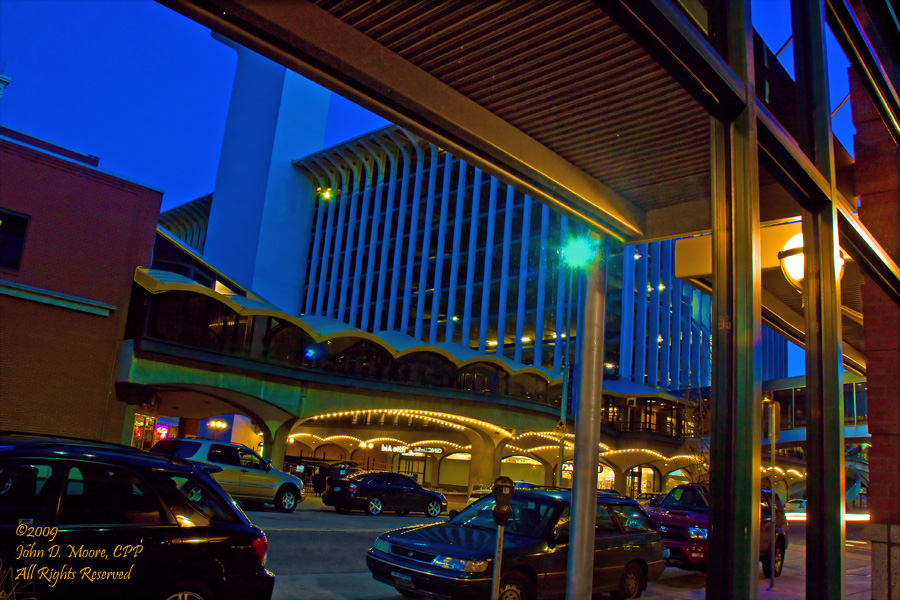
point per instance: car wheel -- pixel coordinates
(433, 508)
(375, 506)
(407, 593)
(515, 585)
(632, 583)
(189, 591)
(779, 560)
(286, 499)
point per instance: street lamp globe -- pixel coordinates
(792, 262)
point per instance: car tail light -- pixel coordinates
(261, 547)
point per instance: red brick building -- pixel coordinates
(71, 236)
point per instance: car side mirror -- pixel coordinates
(654, 503)
(453, 513)
(267, 466)
(558, 537)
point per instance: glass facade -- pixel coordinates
(408, 238)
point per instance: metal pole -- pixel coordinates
(565, 388)
(498, 556)
(770, 416)
(580, 573)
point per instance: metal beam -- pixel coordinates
(669, 37)
(847, 29)
(307, 39)
(868, 253)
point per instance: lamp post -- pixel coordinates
(577, 253)
(218, 426)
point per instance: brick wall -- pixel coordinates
(878, 183)
(88, 230)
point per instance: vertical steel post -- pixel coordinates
(579, 577)
(735, 459)
(822, 293)
(825, 482)
(564, 400)
(498, 559)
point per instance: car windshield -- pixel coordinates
(530, 516)
(690, 498)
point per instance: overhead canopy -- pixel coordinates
(602, 110)
(782, 304)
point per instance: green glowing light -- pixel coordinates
(579, 252)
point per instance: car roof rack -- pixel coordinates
(45, 438)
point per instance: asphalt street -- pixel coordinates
(318, 554)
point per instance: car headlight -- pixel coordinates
(698, 533)
(382, 545)
(459, 564)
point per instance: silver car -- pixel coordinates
(245, 474)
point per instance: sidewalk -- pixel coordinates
(676, 584)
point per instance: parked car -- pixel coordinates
(379, 492)
(683, 521)
(646, 499)
(83, 519)
(454, 559)
(244, 474)
(795, 505)
(482, 492)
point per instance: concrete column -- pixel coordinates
(878, 183)
(188, 427)
(274, 116)
(621, 483)
(435, 462)
(275, 435)
(484, 467)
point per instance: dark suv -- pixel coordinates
(84, 519)
(682, 519)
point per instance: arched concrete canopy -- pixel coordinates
(322, 329)
(194, 401)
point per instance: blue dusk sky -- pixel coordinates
(146, 90)
(132, 82)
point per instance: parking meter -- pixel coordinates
(503, 491)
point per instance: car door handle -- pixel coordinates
(244, 471)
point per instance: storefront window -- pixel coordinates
(148, 430)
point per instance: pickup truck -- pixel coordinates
(682, 519)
